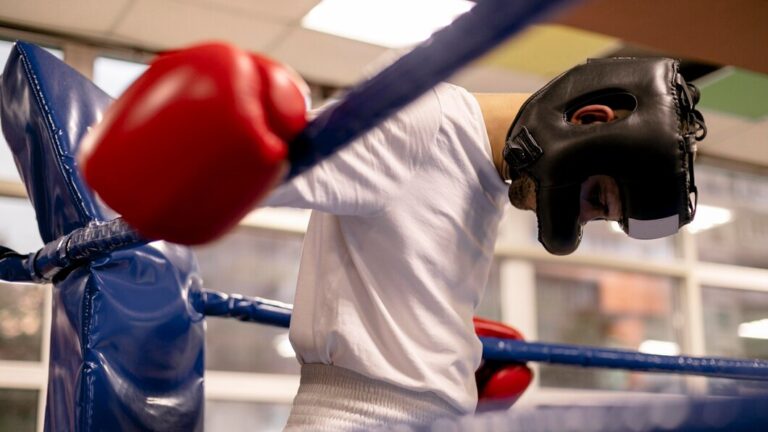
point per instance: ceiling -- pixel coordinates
(736, 98)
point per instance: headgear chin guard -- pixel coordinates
(649, 152)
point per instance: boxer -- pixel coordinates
(401, 239)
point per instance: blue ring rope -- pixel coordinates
(264, 311)
(506, 350)
(512, 351)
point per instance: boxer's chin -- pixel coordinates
(522, 193)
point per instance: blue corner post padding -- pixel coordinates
(126, 344)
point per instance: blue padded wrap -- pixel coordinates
(126, 344)
(46, 111)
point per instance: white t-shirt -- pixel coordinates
(399, 247)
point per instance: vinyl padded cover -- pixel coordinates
(126, 344)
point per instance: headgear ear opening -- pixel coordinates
(616, 99)
(650, 155)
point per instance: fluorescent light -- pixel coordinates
(389, 23)
(283, 346)
(754, 329)
(709, 217)
(659, 347)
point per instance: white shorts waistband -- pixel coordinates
(332, 398)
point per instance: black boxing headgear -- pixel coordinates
(649, 152)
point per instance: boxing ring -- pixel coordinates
(127, 336)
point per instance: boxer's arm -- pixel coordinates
(365, 176)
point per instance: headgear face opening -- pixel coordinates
(649, 153)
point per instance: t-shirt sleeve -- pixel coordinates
(364, 176)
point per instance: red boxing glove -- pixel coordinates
(195, 142)
(500, 384)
